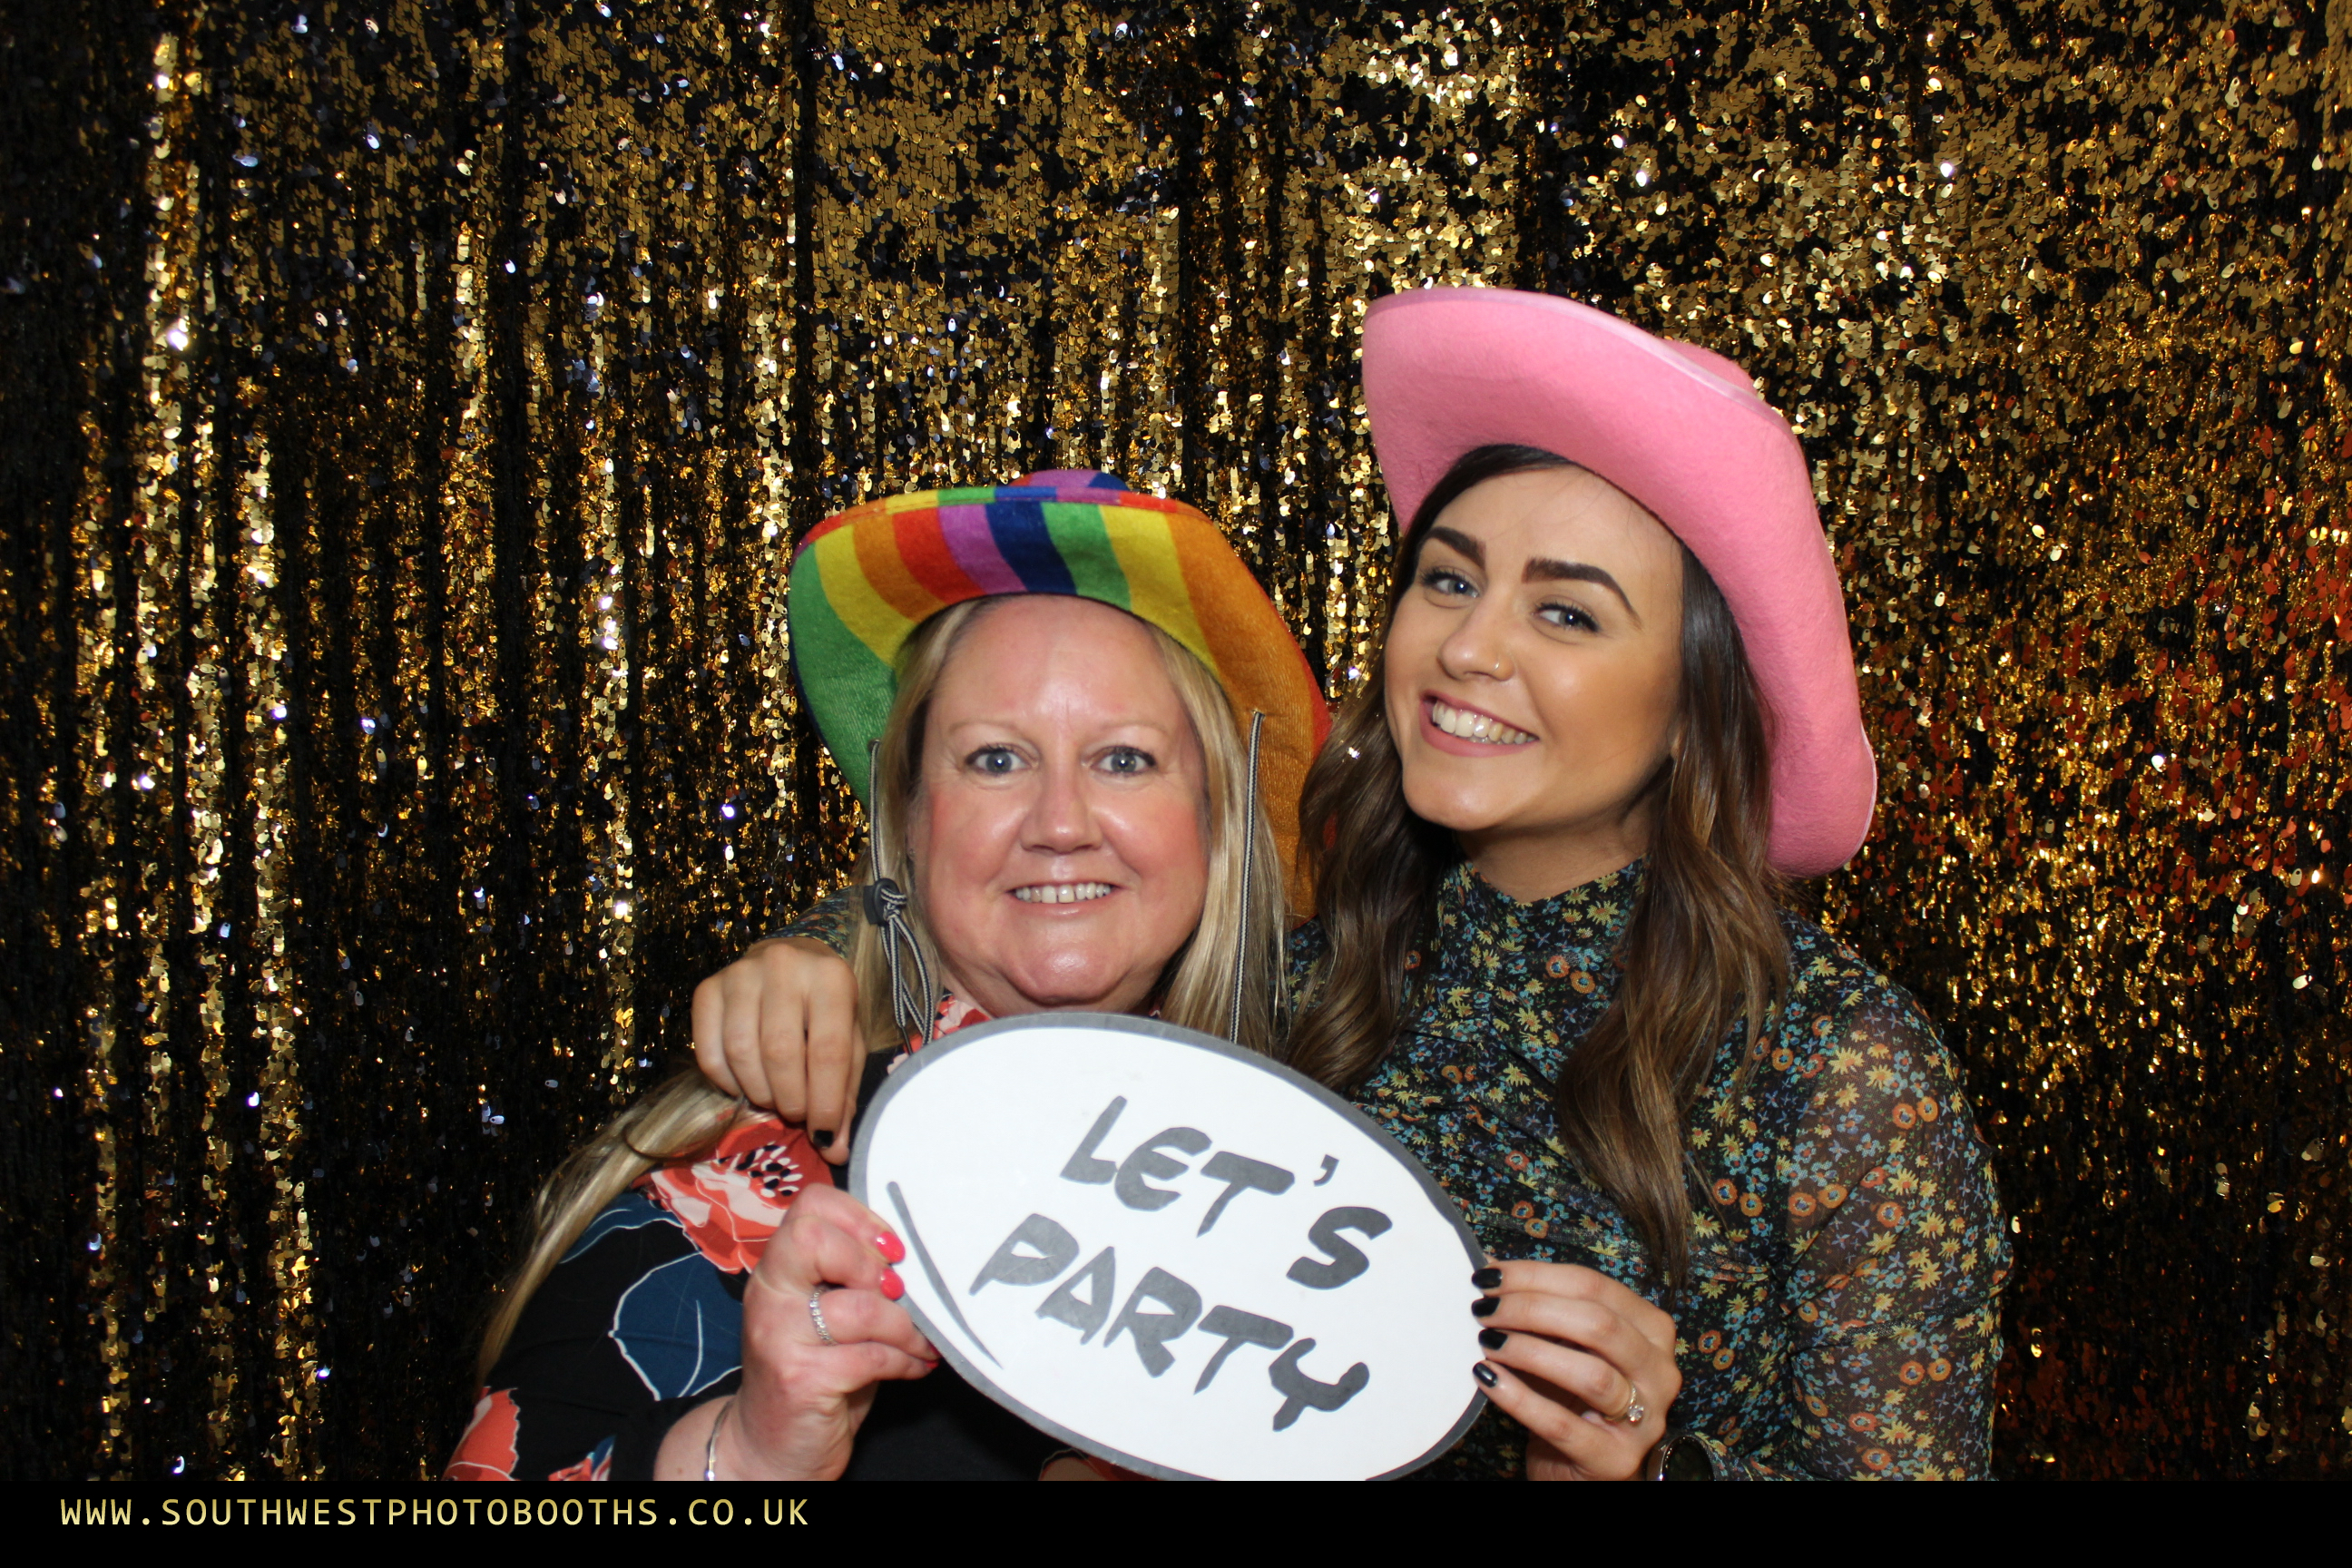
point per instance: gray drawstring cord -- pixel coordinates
(1249, 859)
(886, 907)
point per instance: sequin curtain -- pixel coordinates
(406, 410)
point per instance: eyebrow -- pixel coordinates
(1539, 569)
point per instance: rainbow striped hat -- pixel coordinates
(866, 578)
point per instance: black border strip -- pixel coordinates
(1155, 1028)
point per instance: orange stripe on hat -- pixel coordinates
(879, 557)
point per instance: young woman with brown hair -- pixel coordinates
(1746, 1224)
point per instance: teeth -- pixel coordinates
(1062, 893)
(1471, 726)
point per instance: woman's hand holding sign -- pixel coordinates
(822, 1325)
(1570, 1354)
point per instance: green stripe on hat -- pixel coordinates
(856, 684)
(1084, 544)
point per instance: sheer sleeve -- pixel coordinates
(1893, 1247)
(832, 919)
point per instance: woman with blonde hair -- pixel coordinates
(1745, 1224)
(1064, 705)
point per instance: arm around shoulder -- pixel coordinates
(779, 1027)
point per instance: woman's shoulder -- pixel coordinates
(1848, 1041)
(1852, 1049)
(1835, 991)
(1303, 955)
(1854, 1121)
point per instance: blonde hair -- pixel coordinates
(686, 1117)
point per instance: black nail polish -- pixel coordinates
(821, 1138)
(1487, 1278)
(1493, 1339)
(1483, 1307)
(1484, 1374)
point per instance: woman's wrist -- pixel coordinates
(738, 1452)
(686, 1450)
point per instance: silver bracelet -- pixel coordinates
(710, 1449)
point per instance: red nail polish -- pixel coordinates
(891, 1248)
(892, 1286)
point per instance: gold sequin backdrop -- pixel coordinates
(406, 409)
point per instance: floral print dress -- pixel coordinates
(641, 1319)
(1847, 1247)
(642, 1314)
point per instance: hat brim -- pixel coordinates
(1682, 432)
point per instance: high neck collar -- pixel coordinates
(1591, 914)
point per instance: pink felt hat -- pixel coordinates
(1681, 431)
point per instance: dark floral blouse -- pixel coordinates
(1848, 1250)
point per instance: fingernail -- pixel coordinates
(894, 1286)
(821, 1138)
(891, 1248)
(1483, 1307)
(1484, 1374)
(1493, 1339)
(1487, 1278)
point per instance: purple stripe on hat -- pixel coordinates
(965, 529)
(1069, 480)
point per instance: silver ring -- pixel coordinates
(1631, 1416)
(816, 1315)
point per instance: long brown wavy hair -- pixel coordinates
(1702, 948)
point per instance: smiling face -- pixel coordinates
(1532, 672)
(1057, 837)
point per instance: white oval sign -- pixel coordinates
(1173, 1253)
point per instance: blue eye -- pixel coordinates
(1127, 760)
(993, 760)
